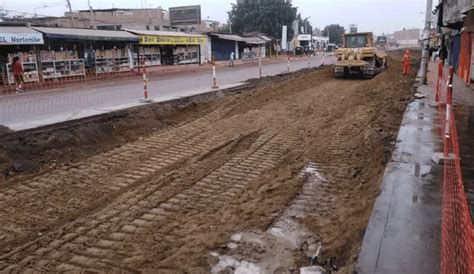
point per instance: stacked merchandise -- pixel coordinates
(57, 64)
(151, 56)
(186, 55)
(113, 60)
(249, 53)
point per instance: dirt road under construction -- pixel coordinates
(273, 177)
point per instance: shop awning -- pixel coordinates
(229, 37)
(148, 37)
(266, 38)
(254, 40)
(20, 35)
(87, 34)
(249, 40)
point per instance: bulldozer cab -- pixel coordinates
(358, 40)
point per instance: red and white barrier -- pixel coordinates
(214, 78)
(145, 98)
(440, 79)
(449, 103)
(288, 65)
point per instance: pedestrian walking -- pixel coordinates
(406, 62)
(17, 69)
(231, 59)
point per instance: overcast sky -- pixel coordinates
(379, 16)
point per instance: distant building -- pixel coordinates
(138, 19)
(317, 32)
(253, 1)
(110, 19)
(320, 43)
(407, 37)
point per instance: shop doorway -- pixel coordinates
(167, 55)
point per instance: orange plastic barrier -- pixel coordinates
(457, 234)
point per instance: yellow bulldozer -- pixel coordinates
(358, 56)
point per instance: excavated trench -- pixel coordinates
(278, 177)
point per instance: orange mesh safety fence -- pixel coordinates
(457, 234)
(89, 76)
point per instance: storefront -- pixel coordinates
(74, 52)
(167, 48)
(222, 45)
(466, 62)
(22, 41)
(253, 47)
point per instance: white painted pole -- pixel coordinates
(214, 78)
(288, 64)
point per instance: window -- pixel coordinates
(147, 27)
(157, 27)
(356, 41)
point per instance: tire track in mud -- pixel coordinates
(106, 239)
(60, 195)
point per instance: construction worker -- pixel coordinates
(406, 62)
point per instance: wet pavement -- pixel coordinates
(403, 235)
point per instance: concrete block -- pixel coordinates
(439, 159)
(146, 101)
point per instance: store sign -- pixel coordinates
(304, 37)
(171, 40)
(21, 39)
(188, 15)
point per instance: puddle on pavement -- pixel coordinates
(279, 248)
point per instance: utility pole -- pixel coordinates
(426, 43)
(92, 14)
(70, 12)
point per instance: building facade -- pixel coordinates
(407, 37)
(110, 19)
(456, 34)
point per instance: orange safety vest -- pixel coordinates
(406, 58)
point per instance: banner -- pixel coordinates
(284, 38)
(171, 40)
(21, 39)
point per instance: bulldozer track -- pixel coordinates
(103, 177)
(97, 241)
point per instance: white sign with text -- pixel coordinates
(21, 39)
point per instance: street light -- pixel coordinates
(306, 23)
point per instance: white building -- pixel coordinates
(320, 43)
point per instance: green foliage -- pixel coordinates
(265, 16)
(335, 33)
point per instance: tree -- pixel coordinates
(265, 16)
(335, 33)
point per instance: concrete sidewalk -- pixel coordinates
(403, 235)
(35, 109)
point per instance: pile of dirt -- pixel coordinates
(62, 144)
(232, 165)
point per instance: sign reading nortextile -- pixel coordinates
(171, 40)
(21, 39)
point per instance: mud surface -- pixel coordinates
(169, 189)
